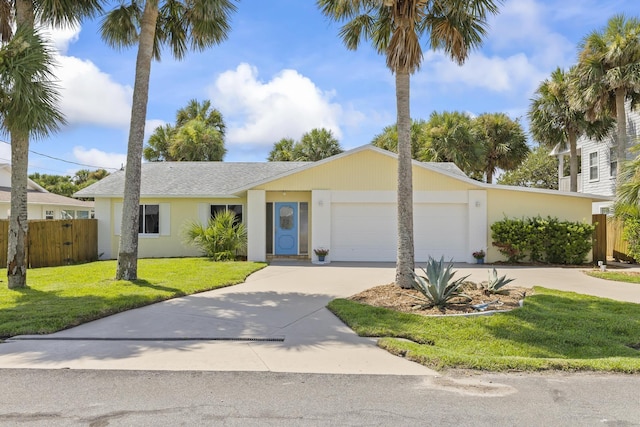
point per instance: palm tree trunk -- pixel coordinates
(128, 251)
(573, 161)
(405, 263)
(489, 176)
(18, 226)
(621, 119)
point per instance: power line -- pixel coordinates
(67, 161)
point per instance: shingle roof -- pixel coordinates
(191, 179)
(41, 198)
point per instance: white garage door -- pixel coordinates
(367, 231)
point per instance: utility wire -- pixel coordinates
(67, 161)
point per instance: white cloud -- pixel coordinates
(261, 113)
(90, 96)
(98, 158)
(62, 37)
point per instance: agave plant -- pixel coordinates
(436, 285)
(495, 283)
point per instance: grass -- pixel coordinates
(616, 276)
(554, 330)
(60, 297)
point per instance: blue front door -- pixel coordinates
(286, 219)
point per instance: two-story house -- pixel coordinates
(597, 163)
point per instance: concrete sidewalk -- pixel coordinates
(276, 321)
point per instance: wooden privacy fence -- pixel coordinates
(617, 247)
(599, 238)
(55, 242)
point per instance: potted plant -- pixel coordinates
(479, 256)
(321, 253)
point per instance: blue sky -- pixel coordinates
(284, 71)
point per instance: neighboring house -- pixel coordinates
(40, 203)
(346, 203)
(598, 163)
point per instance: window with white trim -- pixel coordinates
(48, 214)
(149, 221)
(593, 166)
(237, 209)
(613, 161)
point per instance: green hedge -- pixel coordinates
(546, 240)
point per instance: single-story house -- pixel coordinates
(41, 204)
(346, 203)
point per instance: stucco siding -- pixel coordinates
(363, 171)
(515, 204)
(171, 243)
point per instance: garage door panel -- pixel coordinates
(368, 231)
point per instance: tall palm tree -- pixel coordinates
(282, 151)
(503, 141)
(388, 138)
(196, 110)
(315, 145)
(395, 28)
(150, 25)
(195, 141)
(450, 138)
(38, 103)
(554, 119)
(608, 75)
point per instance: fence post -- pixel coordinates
(599, 238)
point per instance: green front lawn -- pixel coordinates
(618, 276)
(554, 330)
(61, 297)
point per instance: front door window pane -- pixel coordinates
(286, 217)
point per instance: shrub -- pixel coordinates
(221, 239)
(495, 283)
(543, 240)
(436, 286)
(631, 233)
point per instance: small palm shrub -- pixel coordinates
(495, 283)
(222, 239)
(436, 285)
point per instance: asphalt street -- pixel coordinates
(167, 398)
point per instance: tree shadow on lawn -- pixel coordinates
(580, 327)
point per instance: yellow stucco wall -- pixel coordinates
(182, 211)
(518, 204)
(364, 170)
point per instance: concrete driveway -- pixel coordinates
(276, 321)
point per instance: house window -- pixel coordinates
(593, 166)
(67, 214)
(149, 222)
(286, 217)
(269, 226)
(82, 214)
(48, 214)
(613, 161)
(237, 209)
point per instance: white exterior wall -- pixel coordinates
(321, 222)
(256, 220)
(478, 230)
(103, 215)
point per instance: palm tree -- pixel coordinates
(315, 145)
(157, 149)
(151, 24)
(196, 141)
(282, 151)
(450, 138)
(553, 119)
(32, 112)
(388, 139)
(395, 28)
(196, 110)
(504, 143)
(608, 75)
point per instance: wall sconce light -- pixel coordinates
(284, 193)
(321, 202)
(477, 203)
